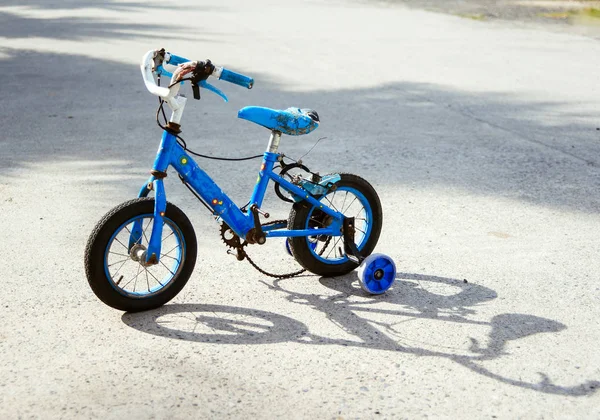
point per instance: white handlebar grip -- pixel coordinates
(146, 67)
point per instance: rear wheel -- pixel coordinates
(353, 197)
(115, 256)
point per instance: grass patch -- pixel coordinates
(588, 12)
(591, 12)
(473, 16)
(556, 15)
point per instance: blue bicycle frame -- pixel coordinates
(170, 153)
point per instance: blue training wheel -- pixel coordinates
(377, 273)
(312, 242)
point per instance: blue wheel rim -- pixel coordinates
(379, 275)
(128, 276)
(351, 199)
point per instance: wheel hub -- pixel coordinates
(321, 220)
(378, 274)
(138, 253)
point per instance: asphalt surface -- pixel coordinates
(481, 138)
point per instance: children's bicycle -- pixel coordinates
(142, 253)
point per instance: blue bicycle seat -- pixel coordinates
(292, 121)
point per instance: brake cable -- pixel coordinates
(182, 142)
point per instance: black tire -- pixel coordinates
(99, 246)
(303, 216)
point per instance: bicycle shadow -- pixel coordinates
(413, 297)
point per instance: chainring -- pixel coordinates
(229, 237)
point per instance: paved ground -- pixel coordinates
(481, 138)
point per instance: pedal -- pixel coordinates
(239, 254)
(263, 213)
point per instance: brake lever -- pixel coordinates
(160, 70)
(210, 87)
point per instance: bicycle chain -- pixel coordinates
(239, 246)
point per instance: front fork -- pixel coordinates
(152, 255)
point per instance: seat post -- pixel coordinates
(274, 141)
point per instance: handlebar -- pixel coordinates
(148, 66)
(236, 78)
(161, 62)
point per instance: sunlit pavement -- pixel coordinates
(481, 139)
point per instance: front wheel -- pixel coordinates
(353, 197)
(115, 256)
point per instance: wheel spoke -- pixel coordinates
(117, 262)
(173, 249)
(116, 253)
(134, 277)
(329, 253)
(135, 282)
(331, 203)
(131, 234)
(362, 209)
(169, 235)
(119, 269)
(155, 278)
(345, 197)
(168, 256)
(145, 229)
(352, 202)
(147, 281)
(337, 241)
(117, 239)
(168, 269)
